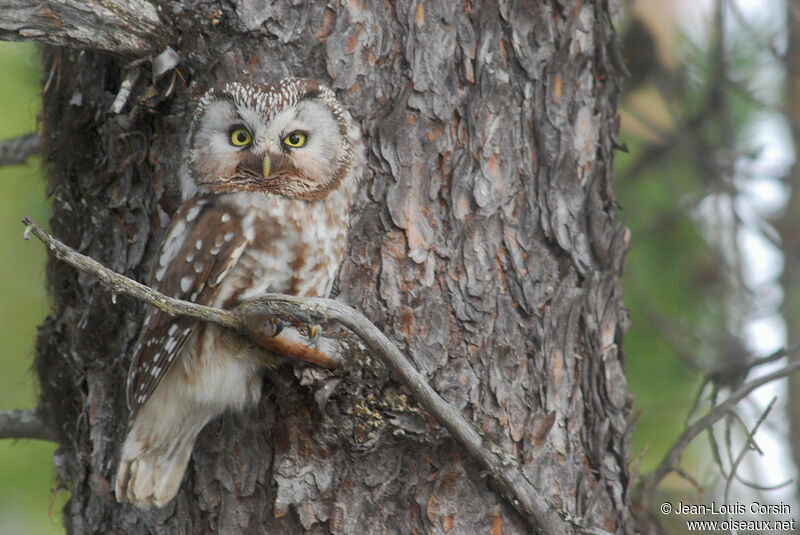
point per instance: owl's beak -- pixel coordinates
(266, 166)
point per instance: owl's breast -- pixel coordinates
(295, 247)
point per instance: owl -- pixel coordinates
(268, 179)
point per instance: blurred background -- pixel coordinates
(710, 117)
(27, 475)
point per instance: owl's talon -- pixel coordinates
(273, 326)
(312, 332)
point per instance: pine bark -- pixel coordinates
(485, 244)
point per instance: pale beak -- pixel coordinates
(266, 166)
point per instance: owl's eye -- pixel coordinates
(241, 137)
(295, 139)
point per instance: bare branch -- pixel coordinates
(120, 284)
(121, 27)
(501, 467)
(649, 482)
(263, 334)
(253, 317)
(25, 424)
(747, 446)
(18, 149)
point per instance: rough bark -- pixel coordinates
(485, 245)
(122, 27)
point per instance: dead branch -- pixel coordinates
(263, 334)
(25, 424)
(122, 27)
(17, 149)
(649, 482)
(253, 317)
(748, 445)
(120, 284)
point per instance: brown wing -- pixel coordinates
(203, 242)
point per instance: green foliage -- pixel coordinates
(658, 278)
(27, 474)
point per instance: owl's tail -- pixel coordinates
(154, 459)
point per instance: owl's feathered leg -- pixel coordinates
(218, 372)
(154, 458)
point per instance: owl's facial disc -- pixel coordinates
(260, 138)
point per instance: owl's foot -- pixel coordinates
(290, 342)
(309, 347)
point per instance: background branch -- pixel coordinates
(749, 445)
(17, 149)
(121, 27)
(253, 317)
(25, 423)
(670, 462)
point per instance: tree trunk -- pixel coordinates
(485, 244)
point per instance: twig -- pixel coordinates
(122, 27)
(124, 92)
(649, 482)
(756, 486)
(637, 463)
(252, 317)
(777, 355)
(746, 448)
(763, 43)
(17, 149)
(25, 424)
(689, 479)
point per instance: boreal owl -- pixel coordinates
(268, 179)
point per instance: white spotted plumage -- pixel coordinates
(236, 236)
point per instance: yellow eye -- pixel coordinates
(241, 137)
(295, 139)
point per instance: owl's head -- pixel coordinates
(290, 138)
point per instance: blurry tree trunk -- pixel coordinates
(789, 224)
(485, 243)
